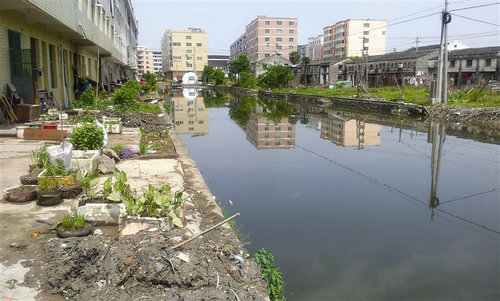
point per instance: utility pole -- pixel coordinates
(442, 72)
(416, 42)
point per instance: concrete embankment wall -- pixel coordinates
(366, 105)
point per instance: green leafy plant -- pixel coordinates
(159, 202)
(88, 136)
(143, 148)
(73, 222)
(49, 184)
(86, 118)
(167, 106)
(107, 188)
(125, 98)
(56, 170)
(87, 98)
(120, 191)
(270, 274)
(40, 157)
(88, 182)
(148, 108)
(117, 148)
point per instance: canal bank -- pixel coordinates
(483, 121)
(35, 263)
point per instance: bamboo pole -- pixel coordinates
(207, 230)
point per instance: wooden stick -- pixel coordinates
(208, 230)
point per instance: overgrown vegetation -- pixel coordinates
(125, 98)
(271, 274)
(40, 157)
(56, 170)
(118, 148)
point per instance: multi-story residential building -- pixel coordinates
(302, 50)
(265, 36)
(156, 61)
(183, 51)
(315, 47)
(349, 132)
(238, 47)
(148, 60)
(347, 38)
(48, 45)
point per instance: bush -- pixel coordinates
(88, 136)
(87, 98)
(125, 98)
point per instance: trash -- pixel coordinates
(239, 259)
(153, 102)
(151, 151)
(61, 152)
(35, 234)
(153, 229)
(176, 238)
(128, 260)
(161, 115)
(65, 246)
(98, 232)
(139, 261)
(127, 153)
(183, 257)
(153, 257)
(101, 283)
(42, 221)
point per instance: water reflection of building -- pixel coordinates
(348, 132)
(266, 134)
(190, 115)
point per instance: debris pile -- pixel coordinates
(144, 265)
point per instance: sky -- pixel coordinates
(225, 20)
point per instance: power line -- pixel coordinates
(476, 6)
(480, 21)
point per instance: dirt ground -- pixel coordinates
(142, 266)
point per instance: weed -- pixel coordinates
(40, 157)
(118, 148)
(273, 277)
(143, 148)
(167, 106)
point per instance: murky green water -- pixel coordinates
(354, 207)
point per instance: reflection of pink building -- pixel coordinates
(266, 134)
(350, 132)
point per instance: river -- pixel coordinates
(353, 206)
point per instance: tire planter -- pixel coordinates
(71, 192)
(62, 181)
(27, 194)
(77, 233)
(49, 198)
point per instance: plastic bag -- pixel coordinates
(105, 140)
(61, 152)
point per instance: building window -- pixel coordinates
(278, 31)
(290, 47)
(289, 128)
(383, 33)
(277, 143)
(290, 39)
(268, 23)
(266, 128)
(189, 44)
(488, 62)
(279, 23)
(266, 143)
(452, 63)
(267, 39)
(266, 136)
(278, 40)
(189, 51)
(291, 23)
(266, 54)
(291, 31)
(278, 47)
(176, 44)
(199, 44)
(366, 33)
(266, 47)
(366, 40)
(289, 135)
(177, 58)
(199, 58)
(188, 37)
(267, 31)
(365, 48)
(366, 24)
(189, 65)
(189, 58)
(277, 136)
(278, 128)
(469, 63)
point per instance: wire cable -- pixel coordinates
(480, 21)
(471, 7)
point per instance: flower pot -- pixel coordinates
(76, 233)
(85, 160)
(20, 194)
(49, 198)
(101, 213)
(62, 181)
(112, 124)
(20, 131)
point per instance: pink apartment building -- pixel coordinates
(265, 36)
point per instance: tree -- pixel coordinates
(206, 76)
(218, 77)
(294, 57)
(239, 65)
(247, 80)
(275, 76)
(305, 61)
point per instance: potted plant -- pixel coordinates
(87, 141)
(73, 226)
(98, 206)
(48, 193)
(20, 194)
(57, 173)
(39, 159)
(158, 207)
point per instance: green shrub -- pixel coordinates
(88, 136)
(118, 148)
(55, 170)
(87, 98)
(125, 98)
(270, 274)
(73, 222)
